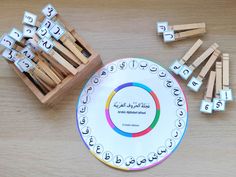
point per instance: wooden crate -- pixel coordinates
(84, 71)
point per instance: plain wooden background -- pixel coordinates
(40, 141)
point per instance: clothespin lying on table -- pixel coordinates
(196, 82)
(179, 32)
(226, 92)
(218, 103)
(186, 71)
(178, 64)
(206, 103)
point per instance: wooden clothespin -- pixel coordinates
(52, 17)
(56, 67)
(43, 31)
(179, 32)
(60, 71)
(51, 66)
(47, 46)
(20, 46)
(27, 65)
(27, 52)
(196, 82)
(218, 104)
(63, 72)
(177, 65)
(206, 103)
(226, 92)
(186, 71)
(61, 34)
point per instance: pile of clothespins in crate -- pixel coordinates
(48, 54)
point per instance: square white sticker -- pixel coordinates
(7, 41)
(43, 32)
(16, 34)
(27, 53)
(49, 11)
(46, 45)
(9, 54)
(57, 31)
(218, 104)
(29, 18)
(32, 44)
(226, 95)
(29, 31)
(194, 84)
(162, 27)
(47, 23)
(25, 64)
(176, 67)
(206, 106)
(185, 72)
(169, 36)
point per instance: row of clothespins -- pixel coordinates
(47, 50)
(218, 79)
(172, 33)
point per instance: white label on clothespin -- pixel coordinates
(46, 44)
(27, 53)
(29, 31)
(226, 95)
(33, 44)
(25, 64)
(57, 31)
(43, 32)
(206, 106)
(169, 36)
(194, 84)
(218, 104)
(162, 27)
(49, 11)
(47, 23)
(29, 18)
(9, 54)
(7, 41)
(16, 34)
(176, 67)
(185, 72)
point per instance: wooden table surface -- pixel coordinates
(40, 141)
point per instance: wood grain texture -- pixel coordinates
(40, 141)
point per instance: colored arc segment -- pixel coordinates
(138, 134)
